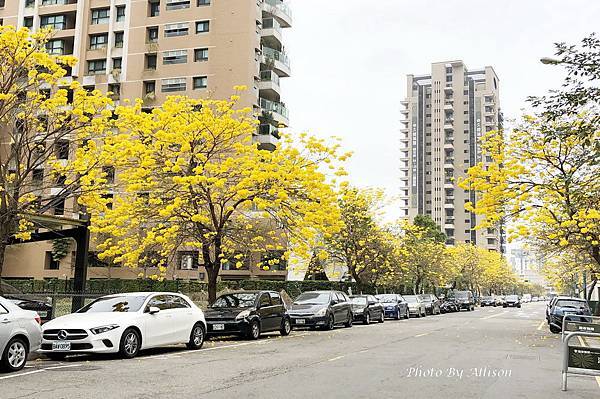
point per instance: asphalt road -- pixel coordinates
(488, 353)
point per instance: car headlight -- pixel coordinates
(321, 312)
(243, 314)
(103, 329)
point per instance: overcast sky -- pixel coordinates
(350, 59)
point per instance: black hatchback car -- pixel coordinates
(322, 309)
(35, 303)
(432, 303)
(367, 308)
(248, 314)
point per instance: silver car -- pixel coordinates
(20, 334)
(416, 307)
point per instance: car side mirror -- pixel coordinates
(153, 310)
(334, 301)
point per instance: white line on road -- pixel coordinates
(336, 358)
(494, 315)
(541, 325)
(39, 371)
(421, 335)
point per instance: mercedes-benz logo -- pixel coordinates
(62, 334)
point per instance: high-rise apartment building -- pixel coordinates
(444, 115)
(151, 49)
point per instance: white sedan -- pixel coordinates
(20, 333)
(126, 324)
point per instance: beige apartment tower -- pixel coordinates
(151, 49)
(444, 116)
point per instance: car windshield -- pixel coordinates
(487, 298)
(235, 300)
(387, 298)
(106, 304)
(425, 298)
(570, 303)
(411, 298)
(512, 298)
(462, 295)
(358, 300)
(313, 298)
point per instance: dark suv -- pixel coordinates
(432, 303)
(322, 309)
(247, 313)
(465, 300)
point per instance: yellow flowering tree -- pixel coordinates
(544, 175)
(45, 124)
(192, 180)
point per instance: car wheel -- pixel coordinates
(554, 329)
(130, 344)
(407, 315)
(286, 327)
(15, 355)
(349, 321)
(196, 337)
(519, 306)
(330, 323)
(254, 332)
(367, 318)
(56, 356)
(382, 318)
(397, 317)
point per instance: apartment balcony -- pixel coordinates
(448, 89)
(449, 163)
(448, 126)
(449, 225)
(271, 33)
(278, 110)
(404, 111)
(57, 6)
(448, 107)
(279, 10)
(448, 184)
(404, 130)
(267, 137)
(404, 102)
(268, 85)
(449, 144)
(277, 60)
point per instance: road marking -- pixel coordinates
(421, 335)
(333, 359)
(494, 315)
(39, 371)
(541, 325)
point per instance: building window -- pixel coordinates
(200, 54)
(118, 39)
(175, 84)
(28, 3)
(61, 149)
(187, 260)
(97, 67)
(50, 263)
(175, 57)
(151, 61)
(28, 22)
(37, 176)
(149, 87)
(202, 26)
(239, 261)
(275, 260)
(200, 82)
(57, 22)
(152, 34)
(55, 47)
(98, 41)
(203, 3)
(58, 205)
(100, 16)
(120, 14)
(117, 62)
(177, 4)
(109, 173)
(180, 29)
(153, 8)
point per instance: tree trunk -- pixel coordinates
(213, 274)
(2, 253)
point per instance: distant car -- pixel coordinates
(535, 299)
(512, 301)
(564, 306)
(488, 301)
(416, 306)
(20, 334)
(526, 298)
(36, 303)
(499, 300)
(432, 303)
(367, 308)
(323, 309)
(126, 324)
(248, 314)
(465, 299)
(394, 306)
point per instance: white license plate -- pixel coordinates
(61, 346)
(218, 327)
(300, 321)
(42, 314)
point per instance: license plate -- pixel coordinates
(61, 346)
(218, 327)
(300, 321)
(42, 314)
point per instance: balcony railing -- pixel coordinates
(274, 106)
(281, 5)
(57, 2)
(271, 23)
(269, 76)
(276, 55)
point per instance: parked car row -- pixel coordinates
(127, 323)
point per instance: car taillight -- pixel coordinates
(38, 319)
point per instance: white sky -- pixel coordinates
(350, 59)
